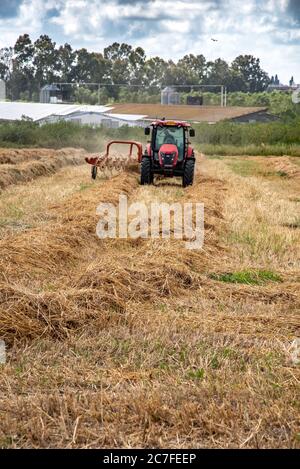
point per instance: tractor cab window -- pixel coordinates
(172, 135)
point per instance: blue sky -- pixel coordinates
(268, 29)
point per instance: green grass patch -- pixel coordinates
(217, 151)
(196, 374)
(281, 174)
(246, 168)
(248, 277)
(83, 186)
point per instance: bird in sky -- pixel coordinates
(215, 40)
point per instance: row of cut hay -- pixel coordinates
(27, 314)
(50, 248)
(30, 315)
(284, 166)
(9, 156)
(29, 170)
(129, 270)
(100, 294)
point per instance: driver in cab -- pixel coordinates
(169, 138)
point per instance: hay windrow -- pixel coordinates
(25, 314)
(17, 156)
(22, 168)
(284, 167)
(45, 248)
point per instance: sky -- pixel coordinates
(268, 29)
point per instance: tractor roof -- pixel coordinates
(170, 123)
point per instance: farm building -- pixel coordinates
(257, 116)
(169, 96)
(54, 94)
(118, 115)
(81, 114)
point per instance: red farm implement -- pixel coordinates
(107, 161)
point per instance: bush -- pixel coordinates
(222, 138)
(62, 134)
(230, 133)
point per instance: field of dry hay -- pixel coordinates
(142, 343)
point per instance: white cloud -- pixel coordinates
(169, 28)
(30, 19)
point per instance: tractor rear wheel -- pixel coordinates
(188, 173)
(146, 171)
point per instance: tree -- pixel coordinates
(24, 52)
(29, 66)
(137, 59)
(66, 63)
(236, 82)
(6, 63)
(118, 56)
(175, 75)
(291, 82)
(218, 73)
(249, 68)
(46, 60)
(195, 67)
(125, 64)
(84, 64)
(155, 72)
(22, 79)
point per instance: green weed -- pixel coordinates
(249, 277)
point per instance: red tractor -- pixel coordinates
(168, 152)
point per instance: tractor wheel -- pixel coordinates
(146, 172)
(188, 173)
(94, 172)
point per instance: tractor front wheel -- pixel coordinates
(94, 172)
(188, 173)
(146, 171)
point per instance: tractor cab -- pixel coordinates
(169, 151)
(164, 137)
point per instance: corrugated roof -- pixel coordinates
(50, 88)
(39, 111)
(126, 117)
(125, 112)
(185, 112)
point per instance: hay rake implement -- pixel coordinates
(118, 163)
